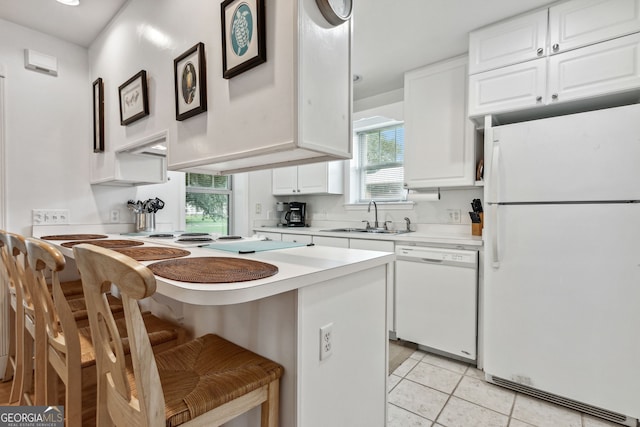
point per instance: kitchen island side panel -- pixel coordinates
(349, 387)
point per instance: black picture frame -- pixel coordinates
(98, 116)
(190, 81)
(134, 98)
(241, 55)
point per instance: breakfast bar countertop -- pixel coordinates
(298, 267)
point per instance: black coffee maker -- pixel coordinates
(295, 214)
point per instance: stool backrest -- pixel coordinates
(17, 265)
(52, 309)
(99, 269)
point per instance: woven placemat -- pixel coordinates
(213, 269)
(152, 253)
(110, 244)
(74, 237)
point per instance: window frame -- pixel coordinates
(356, 170)
(212, 190)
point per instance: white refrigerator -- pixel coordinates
(562, 260)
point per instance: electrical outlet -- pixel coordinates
(115, 215)
(258, 208)
(453, 216)
(49, 216)
(326, 341)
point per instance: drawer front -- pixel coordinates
(297, 238)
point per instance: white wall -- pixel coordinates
(48, 138)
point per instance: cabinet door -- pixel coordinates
(508, 89)
(509, 42)
(270, 235)
(297, 238)
(604, 68)
(579, 23)
(438, 135)
(284, 181)
(382, 246)
(312, 178)
(336, 242)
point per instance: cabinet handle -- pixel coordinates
(556, 47)
(554, 96)
(294, 190)
(540, 51)
(538, 99)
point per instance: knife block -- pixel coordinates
(476, 227)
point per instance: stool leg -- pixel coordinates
(270, 407)
(18, 374)
(11, 357)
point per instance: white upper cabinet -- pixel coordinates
(439, 150)
(604, 68)
(592, 52)
(509, 42)
(580, 23)
(316, 178)
(508, 88)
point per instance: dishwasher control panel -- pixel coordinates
(437, 255)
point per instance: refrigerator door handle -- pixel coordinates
(495, 255)
(493, 175)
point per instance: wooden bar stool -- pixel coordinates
(24, 332)
(7, 282)
(65, 352)
(205, 382)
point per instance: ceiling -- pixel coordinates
(389, 36)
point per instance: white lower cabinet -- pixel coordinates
(297, 238)
(383, 246)
(336, 242)
(269, 235)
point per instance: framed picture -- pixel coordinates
(98, 116)
(190, 82)
(134, 101)
(244, 42)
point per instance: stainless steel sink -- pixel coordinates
(366, 230)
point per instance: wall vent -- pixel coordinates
(40, 62)
(564, 401)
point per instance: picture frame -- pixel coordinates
(244, 43)
(134, 99)
(98, 116)
(190, 81)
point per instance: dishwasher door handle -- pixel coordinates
(430, 260)
(418, 259)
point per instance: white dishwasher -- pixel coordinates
(436, 299)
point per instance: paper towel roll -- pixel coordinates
(423, 196)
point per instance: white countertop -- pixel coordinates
(434, 237)
(297, 267)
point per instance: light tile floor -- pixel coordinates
(433, 391)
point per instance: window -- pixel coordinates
(380, 164)
(208, 203)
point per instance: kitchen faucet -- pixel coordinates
(375, 224)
